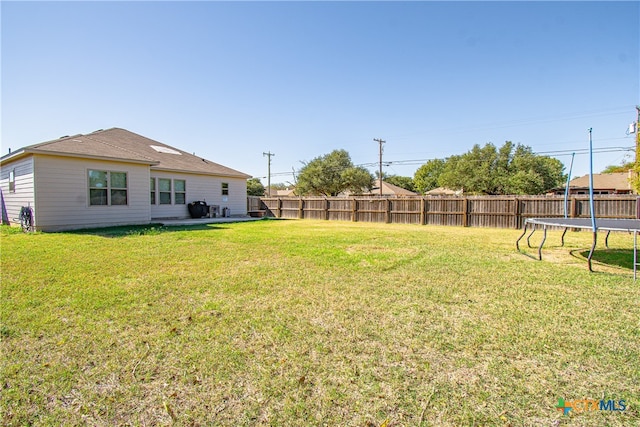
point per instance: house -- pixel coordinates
(603, 183)
(113, 177)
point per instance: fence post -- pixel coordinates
(423, 214)
(326, 209)
(387, 213)
(354, 210)
(300, 208)
(516, 217)
(465, 212)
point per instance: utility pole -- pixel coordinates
(637, 132)
(635, 178)
(268, 154)
(380, 142)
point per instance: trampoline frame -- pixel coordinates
(608, 225)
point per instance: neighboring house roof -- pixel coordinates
(122, 145)
(443, 191)
(284, 193)
(390, 189)
(619, 182)
(607, 182)
(387, 190)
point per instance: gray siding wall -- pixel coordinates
(24, 190)
(62, 194)
(203, 187)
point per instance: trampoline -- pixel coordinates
(608, 225)
(593, 223)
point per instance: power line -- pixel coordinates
(416, 162)
(522, 122)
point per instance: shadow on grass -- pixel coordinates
(614, 257)
(157, 228)
(144, 230)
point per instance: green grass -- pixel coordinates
(313, 323)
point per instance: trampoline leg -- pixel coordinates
(544, 237)
(593, 247)
(635, 254)
(533, 230)
(606, 239)
(524, 231)
(563, 233)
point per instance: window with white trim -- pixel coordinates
(225, 191)
(164, 185)
(179, 191)
(107, 188)
(12, 181)
(152, 191)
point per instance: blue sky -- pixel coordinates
(230, 81)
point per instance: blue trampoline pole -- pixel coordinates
(591, 204)
(566, 190)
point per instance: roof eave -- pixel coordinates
(26, 152)
(238, 175)
(15, 155)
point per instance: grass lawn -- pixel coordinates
(296, 323)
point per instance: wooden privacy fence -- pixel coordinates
(465, 211)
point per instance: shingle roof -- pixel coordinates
(616, 181)
(390, 189)
(123, 145)
(387, 190)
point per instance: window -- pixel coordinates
(107, 188)
(118, 182)
(179, 191)
(161, 194)
(225, 191)
(152, 187)
(12, 181)
(164, 185)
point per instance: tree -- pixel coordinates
(533, 174)
(427, 176)
(255, 187)
(332, 174)
(357, 179)
(471, 171)
(511, 169)
(618, 168)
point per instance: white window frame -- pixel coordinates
(183, 192)
(109, 189)
(161, 192)
(153, 191)
(12, 180)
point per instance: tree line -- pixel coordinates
(512, 169)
